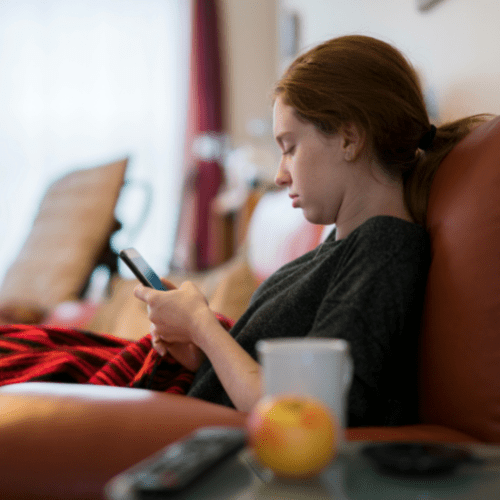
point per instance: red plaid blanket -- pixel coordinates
(39, 353)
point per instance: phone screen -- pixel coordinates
(141, 268)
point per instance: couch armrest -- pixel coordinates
(67, 441)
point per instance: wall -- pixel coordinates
(250, 61)
(455, 45)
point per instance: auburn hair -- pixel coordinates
(368, 82)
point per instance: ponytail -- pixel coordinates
(418, 180)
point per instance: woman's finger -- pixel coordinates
(168, 284)
(142, 292)
(159, 346)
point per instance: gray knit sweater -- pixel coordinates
(367, 289)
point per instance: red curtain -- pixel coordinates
(194, 248)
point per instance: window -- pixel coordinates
(86, 82)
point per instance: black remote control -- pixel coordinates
(178, 464)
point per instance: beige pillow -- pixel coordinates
(72, 227)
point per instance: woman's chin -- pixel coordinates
(314, 218)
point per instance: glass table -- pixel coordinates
(349, 477)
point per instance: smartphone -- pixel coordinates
(142, 270)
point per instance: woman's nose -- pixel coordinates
(283, 177)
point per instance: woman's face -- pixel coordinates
(313, 166)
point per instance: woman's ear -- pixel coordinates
(353, 140)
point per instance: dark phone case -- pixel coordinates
(146, 276)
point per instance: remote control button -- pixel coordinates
(169, 479)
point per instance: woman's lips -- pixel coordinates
(295, 200)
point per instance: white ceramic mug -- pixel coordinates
(317, 367)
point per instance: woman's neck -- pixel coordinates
(382, 197)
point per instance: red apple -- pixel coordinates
(295, 436)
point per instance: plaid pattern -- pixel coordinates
(31, 353)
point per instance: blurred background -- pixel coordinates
(86, 82)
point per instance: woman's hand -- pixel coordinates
(173, 324)
(183, 324)
(187, 354)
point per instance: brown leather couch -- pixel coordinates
(460, 344)
(64, 441)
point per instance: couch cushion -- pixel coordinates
(460, 349)
(73, 224)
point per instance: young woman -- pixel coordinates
(358, 150)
